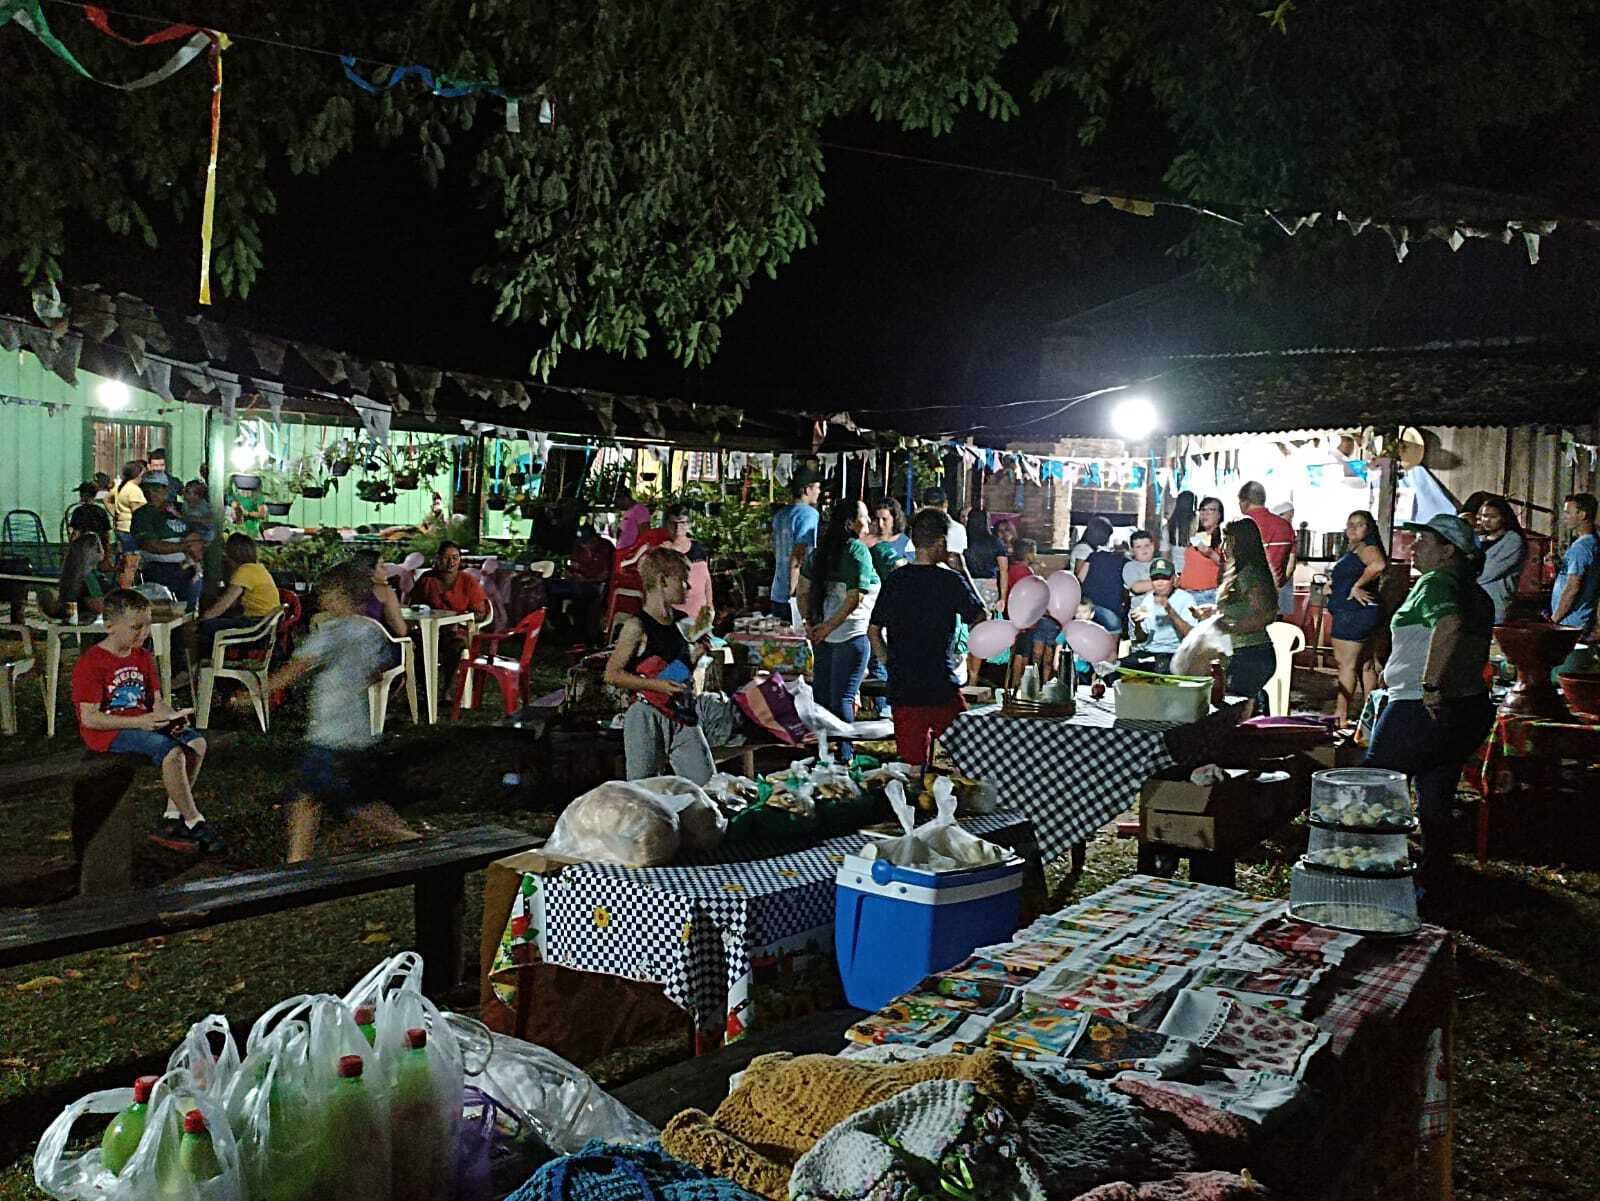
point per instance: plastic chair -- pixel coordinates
(512, 674)
(11, 670)
(252, 670)
(378, 692)
(543, 567)
(1288, 639)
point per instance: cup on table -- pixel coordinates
(72, 613)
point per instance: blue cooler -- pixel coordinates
(892, 926)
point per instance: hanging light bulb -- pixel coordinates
(113, 394)
(245, 457)
(1134, 419)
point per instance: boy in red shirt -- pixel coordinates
(116, 692)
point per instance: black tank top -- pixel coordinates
(662, 640)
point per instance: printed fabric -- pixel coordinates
(1253, 1037)
(124, 686)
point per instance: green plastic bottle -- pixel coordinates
(367, 1021)
(197, 1158)
(127, 1128)
(352, 1168)
(419, 1131)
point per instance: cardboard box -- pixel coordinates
(500, 887)
(1344, 753)
(1228, 816)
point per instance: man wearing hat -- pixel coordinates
(794, 536)
(159, 533)
(1439, 709)
(1161, 618)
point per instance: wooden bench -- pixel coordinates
(435, 867)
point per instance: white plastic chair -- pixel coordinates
(1287, 640)
(378, 692)
(11, 670)
(544, 567)
(401, 576)
(252, 672)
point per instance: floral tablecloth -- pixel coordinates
(788, 654)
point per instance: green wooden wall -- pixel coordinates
(45, 455)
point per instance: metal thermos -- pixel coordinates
(1302, 541)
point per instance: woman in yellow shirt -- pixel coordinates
(251, 593)
(125, 498)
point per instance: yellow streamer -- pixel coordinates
(218, 45)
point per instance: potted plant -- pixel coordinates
(306, 477)
(339, 457)
(276, 491)
(495, 501)
(376, 489)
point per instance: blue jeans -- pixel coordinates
(153, 744)
(1431, 751)
(839, 670)
(1109, 618)
(877, 669)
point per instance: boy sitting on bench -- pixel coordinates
(117, 694)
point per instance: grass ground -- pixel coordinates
(1528, 1007)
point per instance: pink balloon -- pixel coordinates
(1065, 596)
(1091, 641)
(1027, 600)
(988, 638)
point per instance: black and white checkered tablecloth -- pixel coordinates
(1070, 775)
(695, 926)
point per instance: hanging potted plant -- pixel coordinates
(276, 491)
(306, 478)
(339, 457)
(376, 489)
(495, 501)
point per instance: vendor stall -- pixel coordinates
(696, 926)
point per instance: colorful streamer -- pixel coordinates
(448, 87)
(209, 207)
(29, 15)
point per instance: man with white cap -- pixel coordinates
(1439, 709)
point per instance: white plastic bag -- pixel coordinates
(1201, 647)
(939, 845)
(563, 1104)
(208, 1054)
(153, 1173)
(823, 720)
(637, 823)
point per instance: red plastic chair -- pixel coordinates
(512, 674)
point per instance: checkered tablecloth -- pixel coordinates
(1378, 986)
(1069, 775)
(697, 926)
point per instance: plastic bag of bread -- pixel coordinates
(1202, 646)
(637, 823)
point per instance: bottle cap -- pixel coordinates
(350, 1066)
(194, 1122)
(416, 1038)
(142, 1088)
(366, 1015)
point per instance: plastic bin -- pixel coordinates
(893, 926)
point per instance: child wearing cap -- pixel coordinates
(1161, 618)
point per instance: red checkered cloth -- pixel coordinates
(1380, 984)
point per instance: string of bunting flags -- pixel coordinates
(29, 15)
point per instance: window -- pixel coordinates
(112, 443)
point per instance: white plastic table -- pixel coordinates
(54, 631)
(430, 622)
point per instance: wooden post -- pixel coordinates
(438, 906)
(1388, 486)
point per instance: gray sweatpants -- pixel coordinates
(653, 741)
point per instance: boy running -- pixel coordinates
(336, 772)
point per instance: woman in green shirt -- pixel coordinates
(838, 589)
(1247, 602)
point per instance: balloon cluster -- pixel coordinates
(1030, 599)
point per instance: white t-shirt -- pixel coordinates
(1163, 638)
(1081, 551)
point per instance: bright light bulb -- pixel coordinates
(113, 394)
(245, 457)
(1134, 419)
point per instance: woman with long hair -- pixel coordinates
(890, 547)
(1504, 552)
(1353, 602)
(837, 591)
(1180, 527)
(987, 559)
(86, 576)
(1247, 603)
(125, 498)
(1202, 560)
(1099, 572)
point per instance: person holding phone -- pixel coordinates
(116, 692)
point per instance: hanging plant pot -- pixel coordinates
(406, 480)
(516, 479)
(278, 508)
(494, 502)
(247, 483)
(339, 469)
(314, 491)
(375, 492)
(528, 508)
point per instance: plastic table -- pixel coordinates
(55, 631)
(429, 622)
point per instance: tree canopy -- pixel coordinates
(686, 153)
